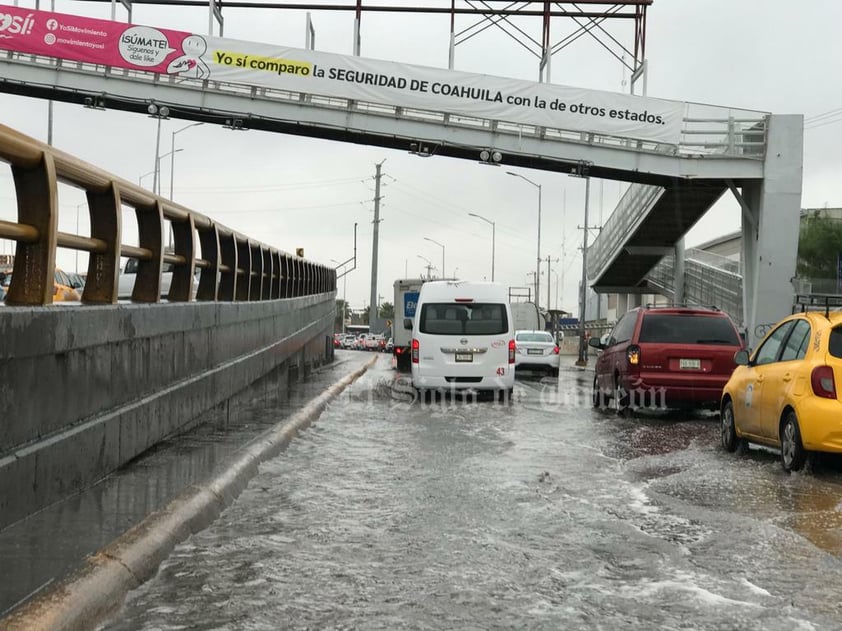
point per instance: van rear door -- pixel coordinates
(464, 339)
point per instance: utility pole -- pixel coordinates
(549, 293)
(372, 303)
(583, 170)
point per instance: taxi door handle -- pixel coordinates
(759, 378)
(787, 376)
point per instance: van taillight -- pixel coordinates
(822, 381)
(512, 351)
(555, 350)
(633, 353)
(415, 348)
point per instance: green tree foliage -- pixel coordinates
(819, 245)
(387, 310)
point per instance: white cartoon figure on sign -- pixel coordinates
(191, 64)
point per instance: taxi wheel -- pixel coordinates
(727, 432)
(793, 454)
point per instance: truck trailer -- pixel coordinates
(406, 298)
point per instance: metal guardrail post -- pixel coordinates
(245, 266)
(183, 276)
(104, 267)
(150, 231)
(228, 273)
(35, 261)
(209, 276)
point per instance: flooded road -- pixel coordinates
(541, 513)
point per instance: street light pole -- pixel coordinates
(493, 239)
(159, 113)
(443, 275)
(538, 257)
(344, 301)
(582, 361)
(429, 266)
(172, 161)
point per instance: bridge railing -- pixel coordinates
(234, 267)
(707, 130)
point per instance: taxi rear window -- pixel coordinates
(687, 329)
(834, 344)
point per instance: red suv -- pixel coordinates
(666, 357)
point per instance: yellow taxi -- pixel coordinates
(63, 289)
(784, 394)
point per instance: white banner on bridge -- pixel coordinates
(185, 54)
(481, 96)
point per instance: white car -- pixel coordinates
(125, 283)
(536, 350)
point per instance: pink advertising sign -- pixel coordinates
(95, 41)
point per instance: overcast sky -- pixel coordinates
(767, 55)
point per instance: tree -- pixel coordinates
(819, 245)
(387, 311)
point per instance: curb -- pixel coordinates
(98, 589)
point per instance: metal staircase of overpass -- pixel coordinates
(709, 280)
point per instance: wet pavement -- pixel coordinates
(50, 545)
(541, 513)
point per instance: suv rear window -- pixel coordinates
(477, 318)
(687, 329)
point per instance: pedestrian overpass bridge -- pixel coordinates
(754, 156)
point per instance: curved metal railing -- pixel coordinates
(233, 266)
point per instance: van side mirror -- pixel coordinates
(407, 324)
(596, 343)
(741, 358)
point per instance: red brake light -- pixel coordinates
(463, 300)
(633, 353)
(555, 350)
(416, 347)
(821, 379)
(512, 348)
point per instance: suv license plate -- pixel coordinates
(464, 357)
(689, 363)
(534, 351)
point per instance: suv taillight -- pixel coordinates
(633, 354)
(555, 350)
(416, 347)
(512, 348)
(821, 379)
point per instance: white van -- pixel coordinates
(462, 337)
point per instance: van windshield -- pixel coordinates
(476, 318)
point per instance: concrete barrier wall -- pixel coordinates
(84, 390)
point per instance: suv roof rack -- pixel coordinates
(817, 302)
(673, 305)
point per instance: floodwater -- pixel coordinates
(541, 513)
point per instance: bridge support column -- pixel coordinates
(771, 214)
